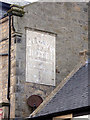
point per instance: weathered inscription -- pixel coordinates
(40, 57)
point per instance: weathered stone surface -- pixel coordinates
(69, 22)
(40, 57)
(4, 33)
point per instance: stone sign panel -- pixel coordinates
(40, 57)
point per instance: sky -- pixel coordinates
(19, 2)
(26, 1)
(31, 0)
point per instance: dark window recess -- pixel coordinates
(17, 40)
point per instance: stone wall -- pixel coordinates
(4, 59)
(69, 21)
(4, 38)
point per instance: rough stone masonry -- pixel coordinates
(4, 38)
(47, 42)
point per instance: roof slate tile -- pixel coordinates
(73, 95)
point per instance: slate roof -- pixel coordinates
(4, 7)
(74, 94)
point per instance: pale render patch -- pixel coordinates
(40, 57)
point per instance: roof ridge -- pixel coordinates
(52, 94)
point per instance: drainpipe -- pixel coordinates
(9, 65)
(17, 11)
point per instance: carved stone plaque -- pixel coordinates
(40, 57)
